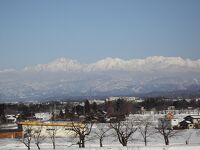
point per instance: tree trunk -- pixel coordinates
(38, 146)
(145, 141)
(79, 144)
(83, 143)
(101, 142)
(28, 146)
(166, 140)
(54, 145)
(186, 142)
(124, 142)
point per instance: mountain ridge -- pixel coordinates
(111, 76)
(148, 63)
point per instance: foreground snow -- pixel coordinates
(47, 146)
(110, 143)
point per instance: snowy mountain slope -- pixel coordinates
(155, 63)
(110, 76)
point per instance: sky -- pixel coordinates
(33, 32)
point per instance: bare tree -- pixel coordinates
(146, 128)
(101, 132)
(52, 131)
(187, 137)
(38, 137)
(82, 130)
(27, 137)
(166, 131)
(124, 130)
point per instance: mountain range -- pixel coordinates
(64, 78)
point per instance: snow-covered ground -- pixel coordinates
(155, 142)
(110, 143)
(62, 144)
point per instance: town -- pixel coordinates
(101, 119)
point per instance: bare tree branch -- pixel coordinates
(101, 132)
(124, 130)
(166, 132)
(38, 137)
(27, 137)
(146, 128)
(52, 131)
(82, 130)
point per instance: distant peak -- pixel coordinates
(151, 63)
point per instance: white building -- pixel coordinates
(43, 116)
(129, 99)
(60, 129)
(11, 118)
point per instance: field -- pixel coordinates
(62, 144)
(155, 142)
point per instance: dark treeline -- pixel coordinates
(161, 104)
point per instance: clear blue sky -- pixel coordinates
(39, 31)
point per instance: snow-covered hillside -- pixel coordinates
(111, 76)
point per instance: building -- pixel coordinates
(61, 129)
(43, 116)
(186, 124)
(11, 118)
(190, 122)
(128, 99)
(11, 131)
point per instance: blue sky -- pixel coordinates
(33, 32)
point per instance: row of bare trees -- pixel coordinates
(122, 130)
(35, 134)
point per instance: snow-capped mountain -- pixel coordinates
(147, 64)
(111, 76)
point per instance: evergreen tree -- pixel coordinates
(87, 107)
